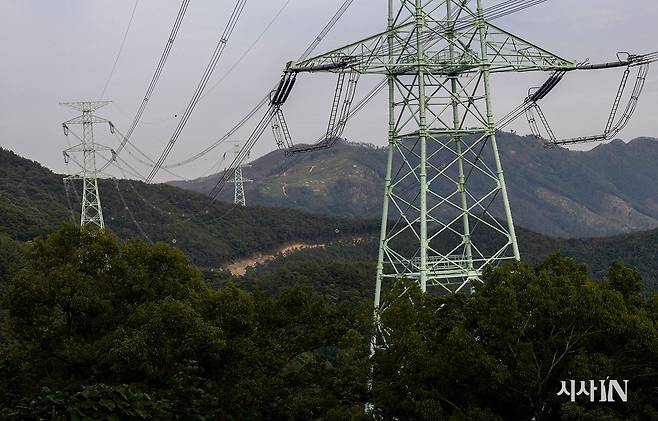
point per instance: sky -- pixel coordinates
(57, 51)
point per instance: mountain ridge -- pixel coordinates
(33, 203)
(608, 190)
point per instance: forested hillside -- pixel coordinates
(346, 270)
(33, 202)
(558, 192)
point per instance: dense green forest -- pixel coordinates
(33, 202)
(96, 328)
(345, 269)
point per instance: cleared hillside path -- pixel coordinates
(239, 267)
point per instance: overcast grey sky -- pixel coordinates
(63, 50)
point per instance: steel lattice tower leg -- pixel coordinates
(445, 188)
(91, 212)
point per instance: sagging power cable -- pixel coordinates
(156, 76)
(275, 100)
(130, 213)
(266, 99)
(614, 124)
(217, 54)
(123, 43)
(535, 115)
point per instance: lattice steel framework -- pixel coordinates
(446, 212)
(92, 211)
(239, 197)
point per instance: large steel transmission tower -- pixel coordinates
(446, 212)
(92, 211)
(239, 198)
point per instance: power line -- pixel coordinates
(258, 107)
(494, 12)
(149, 161)
(132, 217)
(219, 186)
(67, 191)
(228, 135)
(228, 72)
(156, 76)
(249, 49)
(123, 43)
(219, 49)
(179, 220)
(328, 27)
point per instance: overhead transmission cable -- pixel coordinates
(493, 12)
(145, 160)
(67, 191)
(126, 169)
(328, 27)
(146, 201)
(137, 224)
(123, 43)
(217, 53)
(132, 216)
(265, 100)
(233, 67)
(222, 139)
(272, 110)
(156, 76)
(249, 49)
(178, 218)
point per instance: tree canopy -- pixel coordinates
(94, 328)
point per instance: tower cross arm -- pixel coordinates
(81, 176)
(448, 49)
(507, 52)
(82, 148)
(90, 118)
(369, 55)
(85, 106)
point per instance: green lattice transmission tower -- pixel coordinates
(446, 211)
(239, 197)
(91, 212)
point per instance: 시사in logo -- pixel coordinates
(607, 390)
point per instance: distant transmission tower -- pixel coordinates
(91, 212)
(239, 197)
